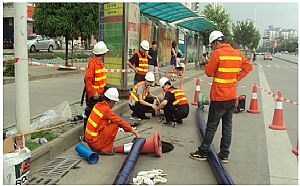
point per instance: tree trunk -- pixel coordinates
(66, 40)
(72, 51)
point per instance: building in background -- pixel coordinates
(8, 23)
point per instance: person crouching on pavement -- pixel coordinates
(175, 103)
(103, 124)
(140, 99)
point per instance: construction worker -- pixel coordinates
(227, 66)
(140, 99)
(95, 78)
(175, 103)
(103, 124)
(139, 62)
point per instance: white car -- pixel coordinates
(39, 42)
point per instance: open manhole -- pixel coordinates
(167, 147)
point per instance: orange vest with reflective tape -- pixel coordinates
(99, 75)
(143, 63)
(180, 97)
(95, 122)
(134, 96)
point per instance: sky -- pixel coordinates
(278, 14)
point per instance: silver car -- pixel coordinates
(39, 42)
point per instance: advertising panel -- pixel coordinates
(146, 30)
(133, 34)
(111, 31)
(166, 36)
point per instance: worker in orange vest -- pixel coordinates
(140, 99)
(175, 103)
(139, 62)
(227, 66)
(103, 124)
(95, 78)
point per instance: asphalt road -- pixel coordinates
(283, 76)
(44, 94)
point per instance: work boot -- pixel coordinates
(143, 117)
(172, 124)
(223, 158)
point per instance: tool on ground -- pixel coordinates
(91, 156)
(240, 104)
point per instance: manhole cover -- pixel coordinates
(53, 171)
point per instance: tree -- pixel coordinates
(66, 19)
(245, 34)
(217, 14)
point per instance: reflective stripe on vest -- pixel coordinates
(143, 64)
(229, 69)
(92, 122)
(177, 101)
(93, 134)
(97, 112)
(133, 94)
(99, 70)
(230, 58)
(180, 97)
(219, 80)
(100, 78)
(98, 87)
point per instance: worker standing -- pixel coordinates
(140, 99)
(139, 62)
(175, 103)
(103, 124)
(227, 66)
(95, 78)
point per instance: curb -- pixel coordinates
(68, 139)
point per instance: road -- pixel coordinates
(283, 76)
(44, 94)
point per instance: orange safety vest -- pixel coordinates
(96, 70)
(229, 67)
(134, 96)
(143, 64)
(95, 122)
(180, 97)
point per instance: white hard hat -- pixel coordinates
(163, 81)
(100, 48)
(150, 76)
(112, 94)
(145, 44)
(214, 35)
(182, 65)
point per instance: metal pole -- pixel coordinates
(21, 68)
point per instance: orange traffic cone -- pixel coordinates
(197, 92)
(254, 102)
(152, 145)
(295, 150)
(277, 123)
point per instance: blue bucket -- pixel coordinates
(91, 156)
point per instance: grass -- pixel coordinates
(31, 144)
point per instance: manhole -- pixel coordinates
(167, 147)
(53, 171)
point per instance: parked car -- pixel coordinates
(268, 56)
(39, 42)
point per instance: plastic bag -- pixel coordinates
(52, 117)
(16, 167)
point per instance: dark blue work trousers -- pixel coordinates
(218, 110)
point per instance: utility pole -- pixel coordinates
(21, 68)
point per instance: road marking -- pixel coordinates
(282, 162)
